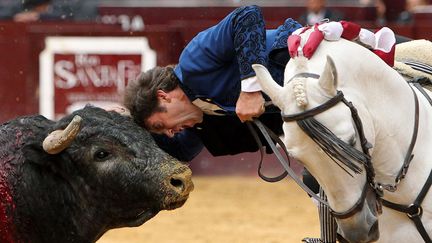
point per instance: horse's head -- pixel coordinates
(322, 131)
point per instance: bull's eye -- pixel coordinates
(101, 155)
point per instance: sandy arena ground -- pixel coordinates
(230, 209)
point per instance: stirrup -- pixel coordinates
(312, 240)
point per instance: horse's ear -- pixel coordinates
(268, 85)
(328, 79)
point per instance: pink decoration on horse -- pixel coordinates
(382, 43)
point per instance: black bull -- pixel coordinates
(110, 174)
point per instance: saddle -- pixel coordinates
(413, 60)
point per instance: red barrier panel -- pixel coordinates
(21, 45)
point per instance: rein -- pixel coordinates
(409, 156)
(269, 135)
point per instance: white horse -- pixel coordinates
(312, 103)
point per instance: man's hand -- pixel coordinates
(249, 105)
(117, 108)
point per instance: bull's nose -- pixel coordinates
(182, 182)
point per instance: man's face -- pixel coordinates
(179, 113)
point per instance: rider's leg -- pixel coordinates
(328, 225)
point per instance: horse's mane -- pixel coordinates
(299, 84)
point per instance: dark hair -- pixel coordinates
(141, 94)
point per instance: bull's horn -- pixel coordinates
(58, 140)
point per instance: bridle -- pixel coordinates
(365, 145)
(413, 211)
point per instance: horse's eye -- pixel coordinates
(101, 155)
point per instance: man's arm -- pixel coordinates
(240, 37)
(250, 48)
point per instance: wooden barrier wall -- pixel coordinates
(21, 44)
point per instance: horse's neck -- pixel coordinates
(384, 97)
(391, 104)
(383, 90)
(421, 164)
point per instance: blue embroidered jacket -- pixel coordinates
(212, 66)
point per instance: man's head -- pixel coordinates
(157, 103)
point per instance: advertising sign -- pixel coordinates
(76, 71)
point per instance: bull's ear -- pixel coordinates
(33, 152)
